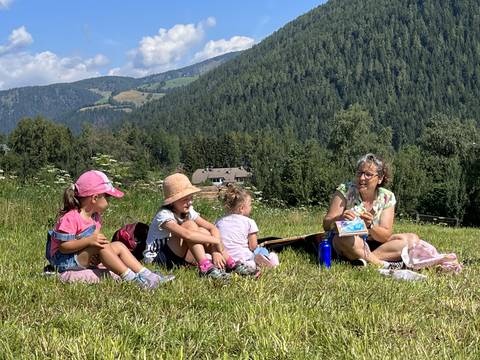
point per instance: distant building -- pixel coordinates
(219, 176)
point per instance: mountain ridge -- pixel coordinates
(62, 102)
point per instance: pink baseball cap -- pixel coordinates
(95, 182)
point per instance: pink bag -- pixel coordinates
(269, 261)
(423, 255)
(88, 276)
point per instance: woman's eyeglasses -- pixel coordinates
(367, 175)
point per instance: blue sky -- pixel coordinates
(50, 41)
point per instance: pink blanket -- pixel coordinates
(423, 255)
(89, 276)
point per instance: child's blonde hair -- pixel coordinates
(234, 197)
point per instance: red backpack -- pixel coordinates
(134, 237)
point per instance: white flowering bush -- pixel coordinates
(50, 175)
(117, 171)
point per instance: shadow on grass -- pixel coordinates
(473, 261)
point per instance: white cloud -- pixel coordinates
(21, 68)
(210, 22)
(19, 38)
(219, 47)
(169, 46)
(165, 50)
(168, 49)
(5, 3)
(24, 69)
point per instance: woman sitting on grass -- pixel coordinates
(367, 199)
(77, 243)
(178, 235)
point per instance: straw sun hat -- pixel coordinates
(177, 186)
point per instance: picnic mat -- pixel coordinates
(308, 242)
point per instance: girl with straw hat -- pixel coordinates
(179, 236)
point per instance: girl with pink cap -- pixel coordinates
(76, 242)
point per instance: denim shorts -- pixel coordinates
(63, 262)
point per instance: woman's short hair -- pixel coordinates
(383, 168)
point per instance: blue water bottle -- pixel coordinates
(325, 253)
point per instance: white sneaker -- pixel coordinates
(359, 262)
(403, 274)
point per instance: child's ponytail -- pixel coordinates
(234, 197)
(70, 199)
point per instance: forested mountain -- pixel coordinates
(100, 101)
(403, 60)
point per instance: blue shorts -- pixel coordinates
(63, 262)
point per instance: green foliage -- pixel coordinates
(178, 82)
(38, 142)
(411, 179)
(353, 135)
(448, 144)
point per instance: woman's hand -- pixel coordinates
(218, 260)
(349, 215)
(367, 218)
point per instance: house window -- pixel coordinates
(218, 180)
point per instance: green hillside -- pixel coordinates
(401, 60)
(67, 103)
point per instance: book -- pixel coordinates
(351, 227)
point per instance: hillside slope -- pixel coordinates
(403, 60)
(95, 100)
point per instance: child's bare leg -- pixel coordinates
(191, 252)
(126, 256)
(109, 258)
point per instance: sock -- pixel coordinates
(230, 263)
(144, 271)
(205, 265)
(128, 275)
(386, 264)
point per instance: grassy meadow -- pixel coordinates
(297, 311)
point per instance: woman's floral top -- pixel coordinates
(385, 199)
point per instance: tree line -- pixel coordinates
(436, 174)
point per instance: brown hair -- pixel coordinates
(234, 197)
(70, 200)
(383, 168)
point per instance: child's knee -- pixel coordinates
(118, 246)
(413, 240)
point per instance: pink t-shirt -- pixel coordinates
(73, 223)
(234, 230)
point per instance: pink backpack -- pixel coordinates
(134, 237)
